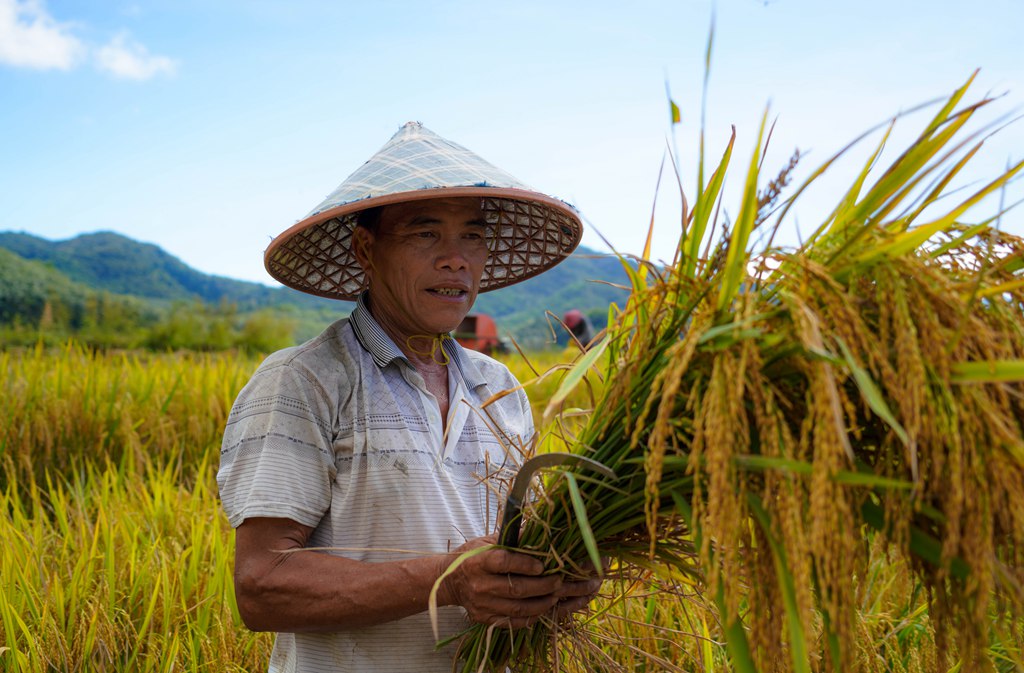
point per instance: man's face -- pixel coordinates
(424, 264)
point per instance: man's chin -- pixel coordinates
(447, 319)
(450, 320)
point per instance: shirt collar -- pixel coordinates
(383, 350)
(372, 336)
(468, 370)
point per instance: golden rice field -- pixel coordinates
(116, 557)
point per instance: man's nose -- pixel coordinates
(452, 255)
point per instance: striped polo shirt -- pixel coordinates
(341, 434)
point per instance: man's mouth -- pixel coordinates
(447, 291)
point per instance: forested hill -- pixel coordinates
(120, 265)
(141, 279)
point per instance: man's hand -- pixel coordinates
(576, 595)
(508, 588)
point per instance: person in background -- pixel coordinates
(579, 327)
(357, 466)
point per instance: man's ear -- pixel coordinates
(362, 245)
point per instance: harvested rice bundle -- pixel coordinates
(768, 414)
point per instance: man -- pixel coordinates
(580, 332)
(373, 441)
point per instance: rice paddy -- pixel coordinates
(115, 555)
(820, 466)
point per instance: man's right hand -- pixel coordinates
(506, 588)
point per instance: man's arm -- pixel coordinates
(303, 591)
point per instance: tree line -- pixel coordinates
(103, 320)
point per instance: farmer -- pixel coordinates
(372, 442)
(580, 331)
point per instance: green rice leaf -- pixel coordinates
(941, 185)
(871, 480)
(708, 49)
(702, 212)
(574, 376)
(1001, 288)
(736, 259)
(833, 640)
(736, 643)
(868, 479)
(957, 241)
(989, 371)
(872, 395)
(657, 568)
(915, 238)
(787, 586)
(649, 611)
(584, 523)
(955, 98)
(637, 274)
(707, 654)
(899, 179)
(849, 200)
(737, 327)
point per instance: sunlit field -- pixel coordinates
(116, 556)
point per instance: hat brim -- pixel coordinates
(531, 232)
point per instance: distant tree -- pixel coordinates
(182, 328)
(265, 332)
(46, 319)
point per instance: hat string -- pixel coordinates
(435, 345)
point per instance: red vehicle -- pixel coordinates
(479, 332)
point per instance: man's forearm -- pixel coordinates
(281, 586)
(311, 591)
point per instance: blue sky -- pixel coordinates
(208, 127)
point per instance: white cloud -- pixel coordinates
(31, 38)
(123, 57)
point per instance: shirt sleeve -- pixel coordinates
(526, 414)
(277, 456)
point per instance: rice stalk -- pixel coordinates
(779, 419)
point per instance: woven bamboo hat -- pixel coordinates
(531, 232)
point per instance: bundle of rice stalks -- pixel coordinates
(769, 413)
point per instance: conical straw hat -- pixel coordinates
(532, 232)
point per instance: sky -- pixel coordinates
(209, 127)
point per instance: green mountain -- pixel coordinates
(26, 285)
(34, 295)
(121, 265)
(143, 279)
